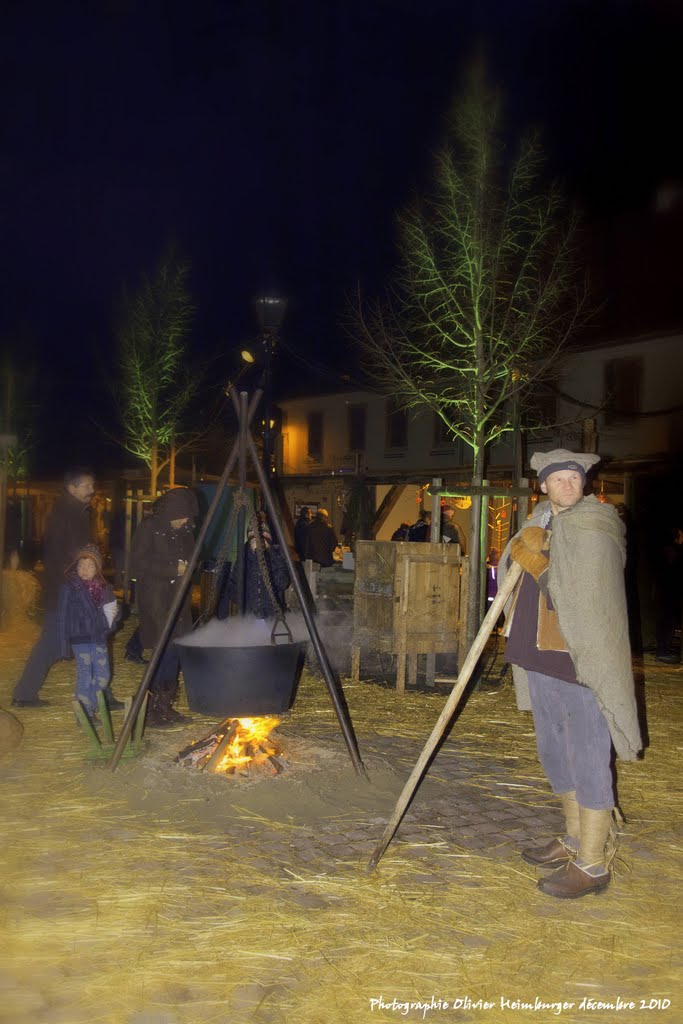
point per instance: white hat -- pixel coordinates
(546, 463)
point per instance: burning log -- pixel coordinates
(235, 747)
(194, 753)
(271, 759)
(217, 755)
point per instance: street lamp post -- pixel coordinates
(270, 312)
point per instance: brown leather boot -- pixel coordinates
(552, 855)
(571, 882)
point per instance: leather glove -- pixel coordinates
(529, 549)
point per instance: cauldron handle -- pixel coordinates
(274, 635)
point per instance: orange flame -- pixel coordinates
(244, 745)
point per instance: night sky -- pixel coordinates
(273, 142)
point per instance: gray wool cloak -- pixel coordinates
(586, 586)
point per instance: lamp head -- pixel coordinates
(270, 312)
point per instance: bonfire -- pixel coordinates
(236, 746)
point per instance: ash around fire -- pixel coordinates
(319, 781)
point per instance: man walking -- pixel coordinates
(67, 532)
(568, 642)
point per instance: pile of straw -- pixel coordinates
(151, 896)
(19, 596)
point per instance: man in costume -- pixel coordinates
(568, 642)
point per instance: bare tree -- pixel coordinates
(486, 294)
(156, 384)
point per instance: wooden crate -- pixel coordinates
(407, 601)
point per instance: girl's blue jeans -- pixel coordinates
(93, 674)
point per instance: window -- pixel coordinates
(357, 418)
(443, 437)
(445, 441)
(315, 436)
(544, 410)
(622, 387)
(396, 426)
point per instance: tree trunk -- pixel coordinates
(478, 466)
(153, 470)
(474, 585)
(171, 467)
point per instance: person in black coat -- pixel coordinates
(419, 532)
(402, 532)
(67, 531)
(162, 546)
(321, 540)
(301, 528)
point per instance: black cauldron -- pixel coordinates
(241, 682)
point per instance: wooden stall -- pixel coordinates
(409, 599)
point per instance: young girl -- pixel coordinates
(86, 613)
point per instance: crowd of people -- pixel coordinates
(451, 532)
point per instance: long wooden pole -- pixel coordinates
(444, 718)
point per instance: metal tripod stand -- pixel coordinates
(243, 449)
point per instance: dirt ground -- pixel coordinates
(161, 895)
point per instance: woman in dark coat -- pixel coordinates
(162, 546)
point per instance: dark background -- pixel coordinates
(273, 142)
